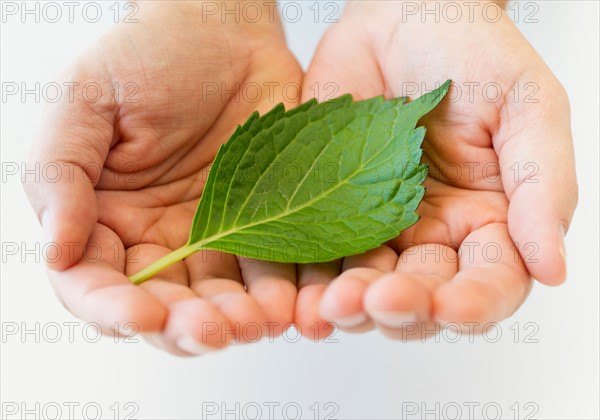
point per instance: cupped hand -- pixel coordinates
(501, 190)
(152, 102)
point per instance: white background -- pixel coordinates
(365, 376)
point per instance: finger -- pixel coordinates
(382, 258)
(405, 295)
(273, 287)
(312, 283)
(194, 326)
(400, 303)
(168, 286)
(67, 158)
(216, 276)
(434, 264)
(97, 290)
(142, 255)
(492, 281)
(342, 302)
(538, 173)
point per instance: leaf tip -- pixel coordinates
(445, 87)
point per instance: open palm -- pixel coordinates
(137, 157)
(501, 189)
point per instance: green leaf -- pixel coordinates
(313, 184)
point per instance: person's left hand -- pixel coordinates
(501, 189)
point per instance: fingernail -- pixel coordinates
(561, 250)
(46, 232)
(190, 345)
(129, 330)
(155, 339)
(53, 255)
(394, 319)
(352, 320)
(561, 242)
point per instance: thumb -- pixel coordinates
(64, 166)
(538, 173)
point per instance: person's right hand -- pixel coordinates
(133, 165)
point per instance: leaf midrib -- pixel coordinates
(269, 166)
(235, 229)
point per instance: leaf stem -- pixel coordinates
(162, 263)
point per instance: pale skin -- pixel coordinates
(139, 212)
(464, 213)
